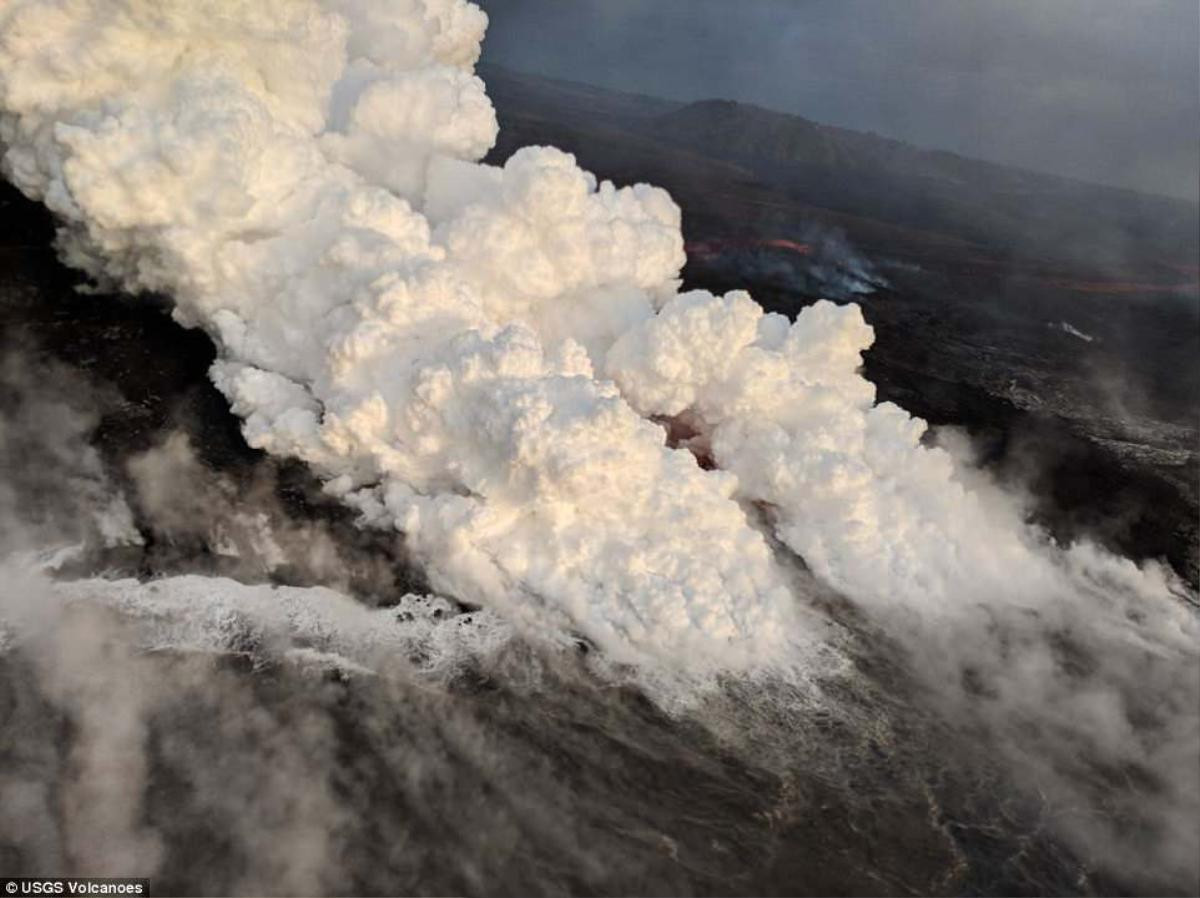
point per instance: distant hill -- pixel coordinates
(554, 98)
(1009, 210)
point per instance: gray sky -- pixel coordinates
(1102, 90)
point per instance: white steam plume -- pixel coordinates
(854, 492)
(472, 354)
(415, 326)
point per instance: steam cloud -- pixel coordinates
(482, 358)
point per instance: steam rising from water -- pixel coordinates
(424, 331)
(477, 356)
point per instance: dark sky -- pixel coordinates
(1102, 90)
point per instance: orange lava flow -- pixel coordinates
(708, 249)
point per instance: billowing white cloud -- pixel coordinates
(434, 369)
(484, 357)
